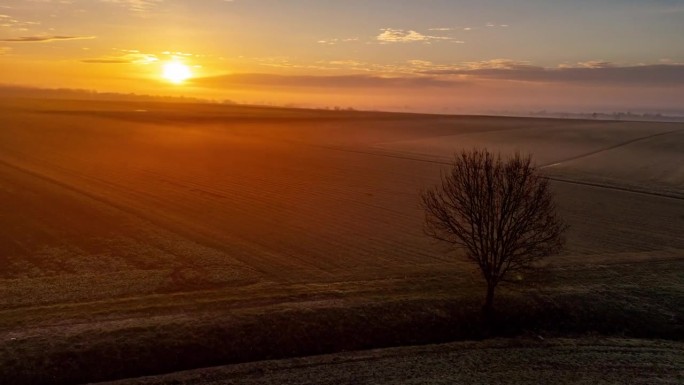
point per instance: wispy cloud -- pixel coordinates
(391, 35)
(593, 64)
(44, 38)
(7, 21)
(589, 73)
(106, 61)
(126, 57)
(446, 29)
(497, 64)
(335, 41)
(138, 6)
(337, 82)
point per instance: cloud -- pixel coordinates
(597, 73)
(498, 64)
(595, 64)
(4, 50)
(391, 35)
(129, 57)
(420, 63)
(7, 21)
(494, 25)
(43, 38)
(106, 61)
(139, 6)
(335, 82)
(344, 63)
(338, 41)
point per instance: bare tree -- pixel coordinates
(500, 212)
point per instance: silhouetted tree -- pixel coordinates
(500, 212)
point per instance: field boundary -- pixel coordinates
(417, 158)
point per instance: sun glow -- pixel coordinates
(176, 72)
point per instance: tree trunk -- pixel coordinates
(489, 301)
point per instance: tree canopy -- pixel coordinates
(501, 212)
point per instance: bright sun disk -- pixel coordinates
(176, 72)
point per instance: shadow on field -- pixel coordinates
(134, 352)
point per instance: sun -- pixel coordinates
(176, 72)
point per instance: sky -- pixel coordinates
(413, 55)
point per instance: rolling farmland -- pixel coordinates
(122, 216)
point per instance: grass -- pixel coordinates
(160, 334)
(587, 360)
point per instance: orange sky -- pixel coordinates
(436, 56)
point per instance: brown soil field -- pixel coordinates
(124, 221)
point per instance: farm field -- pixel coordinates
(580, 361)
(135, 228)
